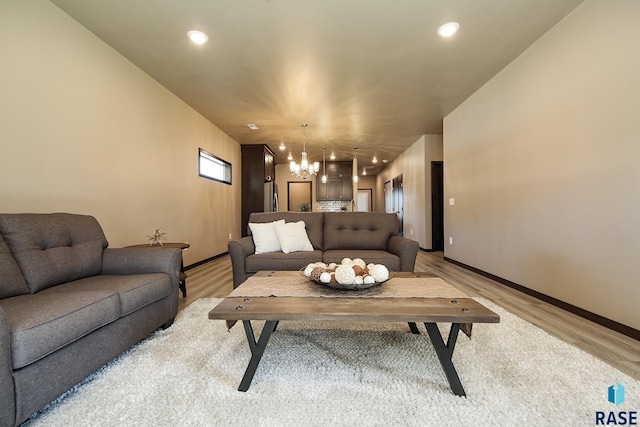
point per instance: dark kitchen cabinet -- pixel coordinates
(258, 168)
(339, 184)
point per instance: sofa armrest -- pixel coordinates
(121, 261)
(406, 250)
(239, 250)
(7, 393)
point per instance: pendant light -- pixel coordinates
(324, 165)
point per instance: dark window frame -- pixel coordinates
(213, 159)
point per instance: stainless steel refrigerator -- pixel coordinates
(270, 197)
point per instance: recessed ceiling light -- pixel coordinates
(198, 37)
(332, 156)
(282, 147)
(252, 126)
(448, 29)
(374, 160)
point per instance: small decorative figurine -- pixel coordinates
(157, 236)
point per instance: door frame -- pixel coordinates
(437, 206)
(297, 208)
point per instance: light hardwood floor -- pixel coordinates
(214, 280)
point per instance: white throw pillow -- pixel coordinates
(293, 237)
(264, 236)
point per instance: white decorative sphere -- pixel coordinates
(379, 272)
(368, 280)
(308, 270)
(345, 275)
(325, 277)
(346, 261)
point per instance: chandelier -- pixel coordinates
(304, 170)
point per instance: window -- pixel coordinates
(212, 167)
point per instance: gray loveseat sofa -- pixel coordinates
(69, 304)
(334, 236)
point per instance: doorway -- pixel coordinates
(398, 208)
(437, 206)
(299, 196)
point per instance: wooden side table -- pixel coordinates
(172, 245)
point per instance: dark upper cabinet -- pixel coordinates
(269, 165)
(339, 184)
(257, 167)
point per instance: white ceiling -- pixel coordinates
(361, 73)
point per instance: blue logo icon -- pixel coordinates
(616, 394)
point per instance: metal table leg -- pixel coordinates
(257, 349)
(414, 328)
(445, 352)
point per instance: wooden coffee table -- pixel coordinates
(407, 297)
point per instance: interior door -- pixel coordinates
(365, 196)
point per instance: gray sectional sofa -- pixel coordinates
(334, 236)
(69, 304)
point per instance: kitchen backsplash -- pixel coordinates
(333, 206)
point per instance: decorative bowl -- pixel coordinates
(351, 286)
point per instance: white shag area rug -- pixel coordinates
(342, 374)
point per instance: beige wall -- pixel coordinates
(83, 130)
(415, 167)
(544, 165)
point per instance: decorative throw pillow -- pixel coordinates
(293, 237)
(264, 236)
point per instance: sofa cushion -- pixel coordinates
(54, 248)
(134, 291)
(313, 222)
(389, 260)
(49, 320)
(11, 283)
(264, 235)
(293, 237)
(278, 261)
(358, 230)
